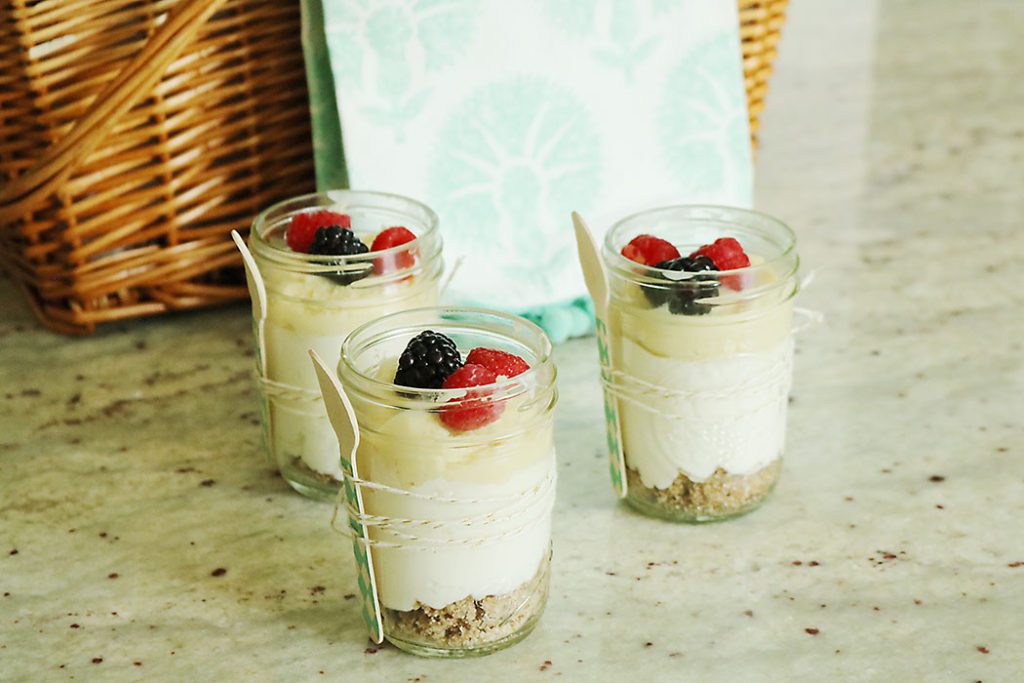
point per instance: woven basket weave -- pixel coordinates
(135, 135)
(760, 29)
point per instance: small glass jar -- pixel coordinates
(314, 302)
(461, 530)
(702, 363)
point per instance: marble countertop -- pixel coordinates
(141, 537)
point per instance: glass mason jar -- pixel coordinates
(461, 530)
(702, 363)
(314, 302)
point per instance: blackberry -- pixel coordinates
(429, 358)
(337, 241)
(682, 295)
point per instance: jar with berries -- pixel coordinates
(329, 262)
(456, 465)
(700, 330)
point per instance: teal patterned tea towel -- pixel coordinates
(506, 116)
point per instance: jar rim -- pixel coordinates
(541, 374)
(748, 218)
(284, 210)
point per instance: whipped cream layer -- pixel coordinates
(698, 393)
(504, 471)
(692, 417)
(306, 311)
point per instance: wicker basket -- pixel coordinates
(760, 28)
(134, 135)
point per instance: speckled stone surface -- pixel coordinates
(142, 538)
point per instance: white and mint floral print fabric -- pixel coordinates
(506, 116)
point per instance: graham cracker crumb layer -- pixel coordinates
(720, 495)
(472, 622)
(299, 466)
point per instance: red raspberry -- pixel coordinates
(471, 414)
(393, 237)
(649, 250)
(727, 254)
(304, 225)
(500, 363)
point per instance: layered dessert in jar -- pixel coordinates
(700, 319)
(330, 262)
(457, 466)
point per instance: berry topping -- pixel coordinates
(649, 250)
(393, 237)
(303, 227)
(727, 254)
(500, 363)
(336, 241)
(682, 295)
(472, 414)
(428, 360)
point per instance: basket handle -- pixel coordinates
(30, 190)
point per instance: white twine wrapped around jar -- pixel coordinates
(528, 508)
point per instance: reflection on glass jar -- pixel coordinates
(458, 484)
(702, 362)
(314, 301)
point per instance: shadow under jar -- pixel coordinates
(461, 542)
(702, 363)
(314, 301)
